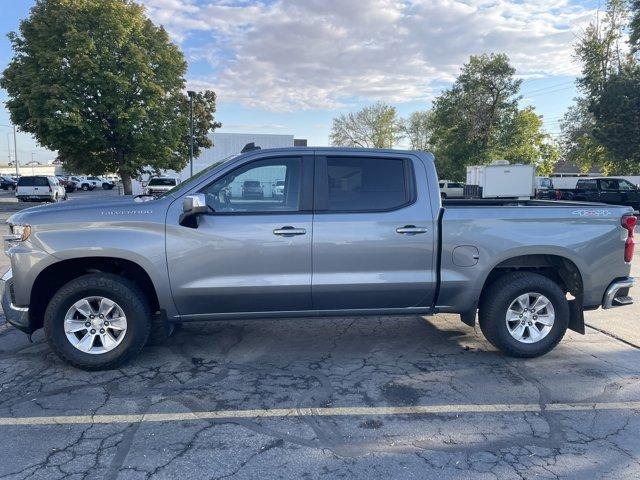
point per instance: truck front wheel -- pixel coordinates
(524, 314)
(97, 321)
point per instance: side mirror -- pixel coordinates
(192, 206)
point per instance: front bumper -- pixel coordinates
(16, 316)
(617, 294)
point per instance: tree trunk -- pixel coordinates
(126, 183)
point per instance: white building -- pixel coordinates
(225, 144)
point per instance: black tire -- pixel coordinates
(129, 297)
(85, 187)
(496, 301)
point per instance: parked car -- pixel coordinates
(368, 234)
(7, 183)
(83, 183)
(160, 185)
(252, 189)
(278, 189)
(101, 183)
(613, 191)
(449, 189)
(69, 185)
(40, 188)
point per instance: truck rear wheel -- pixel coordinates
(97, 321)
(524, 314)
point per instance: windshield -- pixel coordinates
(165, 182)
(192, 180)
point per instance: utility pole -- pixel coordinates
(191, 94)
(9, 148)
(15, 150)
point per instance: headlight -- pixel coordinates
(19, 233)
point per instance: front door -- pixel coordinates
(252, 253)
(373, 233)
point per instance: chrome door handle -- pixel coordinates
(289, 231)
(411, 230)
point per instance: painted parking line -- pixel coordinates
(308, 412)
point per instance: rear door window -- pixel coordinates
(26, 182)
(360, 184)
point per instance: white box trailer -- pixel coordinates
(501, 180)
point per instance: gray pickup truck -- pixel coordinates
(353, 232)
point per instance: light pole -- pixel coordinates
(191, 94)
(15, 146)
(15, 150)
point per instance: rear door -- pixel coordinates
(610, 191)
(373, 233)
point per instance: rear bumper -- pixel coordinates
(617, 294)
(16, 316)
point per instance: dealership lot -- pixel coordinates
(385, 397)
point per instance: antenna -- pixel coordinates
(249, 147)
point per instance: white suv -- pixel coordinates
(449, 189)
(83, 183)
(40, 188)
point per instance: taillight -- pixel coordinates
(558, 195)
(628, 222)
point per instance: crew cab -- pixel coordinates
(613, 191)
(356, 232)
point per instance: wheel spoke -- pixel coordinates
(86, 343)
(534, 333)
(83, 307)
(540, 304)
(513, 316)
(106, 306)
(545, 320)
(118, 323)
(73, 326)
(518, 331)
(108, 342)
(523, 301)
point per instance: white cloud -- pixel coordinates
(308, 54)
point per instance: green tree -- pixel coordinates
(99, 82)
(418, 129)
(634, 26)
(617, 119)
(524, 141)
(603, 129)
(375, 126)
(600, 49)
(577, 141)
(478, 120)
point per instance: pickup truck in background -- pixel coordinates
(355, 232)
(609, 190)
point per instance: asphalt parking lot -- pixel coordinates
(376, 397)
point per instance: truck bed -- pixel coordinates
(477, 235)
(510, 202)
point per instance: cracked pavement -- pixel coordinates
(339, 362)
(372, 362)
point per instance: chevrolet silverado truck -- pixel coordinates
(354, 232)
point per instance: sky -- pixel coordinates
(291, 66)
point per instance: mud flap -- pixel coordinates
(469, 317)
(576, 316)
